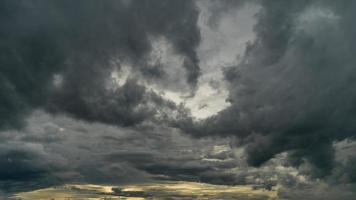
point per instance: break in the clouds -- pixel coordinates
(257, 93)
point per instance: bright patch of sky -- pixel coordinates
(220, 47)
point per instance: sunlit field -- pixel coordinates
(166, 190)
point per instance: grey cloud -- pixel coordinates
(24, 167)
(318, 192)
(293, 89)
(125, 106)
(98, 153)
(292, 97)
(82, 42)
(219, 8)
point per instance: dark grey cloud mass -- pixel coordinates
(59, 55)
(66, 117)
(294, 88)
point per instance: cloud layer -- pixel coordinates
(103, 92)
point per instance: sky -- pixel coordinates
(228, 93)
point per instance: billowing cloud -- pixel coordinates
(293, 91)
(257, 93)
(61, 55)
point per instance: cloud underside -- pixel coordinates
(293, 89)
(103, 92)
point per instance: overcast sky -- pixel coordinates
(229, 92)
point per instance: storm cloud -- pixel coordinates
(60, 55)
(258, 93)
(293, 90)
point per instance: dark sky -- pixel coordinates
(217, 91)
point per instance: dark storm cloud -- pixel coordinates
(292, 97)
(171, 162)
(98, 153)
(54, 150)
(16, 164)
(294, 89)
(60, 54)
(190, 169)
(24, 167)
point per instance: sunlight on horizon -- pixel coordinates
(163, 190)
